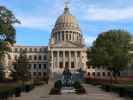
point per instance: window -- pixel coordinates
(40, 57)
(78, 54)
(21, 49)
(35, 49)
(30, 49)
(66, 36)
(93, 73)
(30, 57)
(98, 73)
(29, 66)
(69, 36)
(16, 49)
(40, 66)
(88, 67)
(26, 49)
(40, 49)
(88, 73)
(45, 57)
(34, 66)
(44, 73)
(109, 74)
(35, 57)
(103, 73)
(93, 67)
(72, 64)
(61, 64)
(16, 57)
(44, 66)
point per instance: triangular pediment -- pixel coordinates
(67, 44)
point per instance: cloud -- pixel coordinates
(89, 40)
(109, 14)
(35, 22)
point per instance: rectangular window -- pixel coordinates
(40, 66)
(45, 57)
(44, 66)
(34, 66)
(61, 64)
(40, 57)
(72, 64)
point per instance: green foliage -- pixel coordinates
(111, 50)
(58, 84)
(79, 89)
(21, 68)
(7, 32)
(56, 90)
(77, 85)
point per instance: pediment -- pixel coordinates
(67, 44)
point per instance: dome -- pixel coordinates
(66, 20)
(66, 31)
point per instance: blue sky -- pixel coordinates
(94, 16)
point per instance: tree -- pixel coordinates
(21, 68)
(111, 50)
(7, 34)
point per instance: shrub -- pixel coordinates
(77, 85)
(18, 91)
(81, 90)
(55, 91)
(58, 84)
(28, 87)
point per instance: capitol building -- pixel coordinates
(66, 49)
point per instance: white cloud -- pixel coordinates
(108, 14)
(35, 22)
(89, 40)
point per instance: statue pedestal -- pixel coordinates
(67, 90)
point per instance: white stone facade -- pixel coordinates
(38, 59)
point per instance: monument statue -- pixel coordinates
(67, 77)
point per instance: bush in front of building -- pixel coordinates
(56, 90)
(79, 89)
(121, 90)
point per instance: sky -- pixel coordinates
(94, 16)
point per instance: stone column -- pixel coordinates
(76, 65)
(57, 59)
(70, 59)
(63, 59)
(60, 36)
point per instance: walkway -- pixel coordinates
(93, 93)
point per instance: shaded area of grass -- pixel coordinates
(123, 89)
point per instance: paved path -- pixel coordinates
(93, 93)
